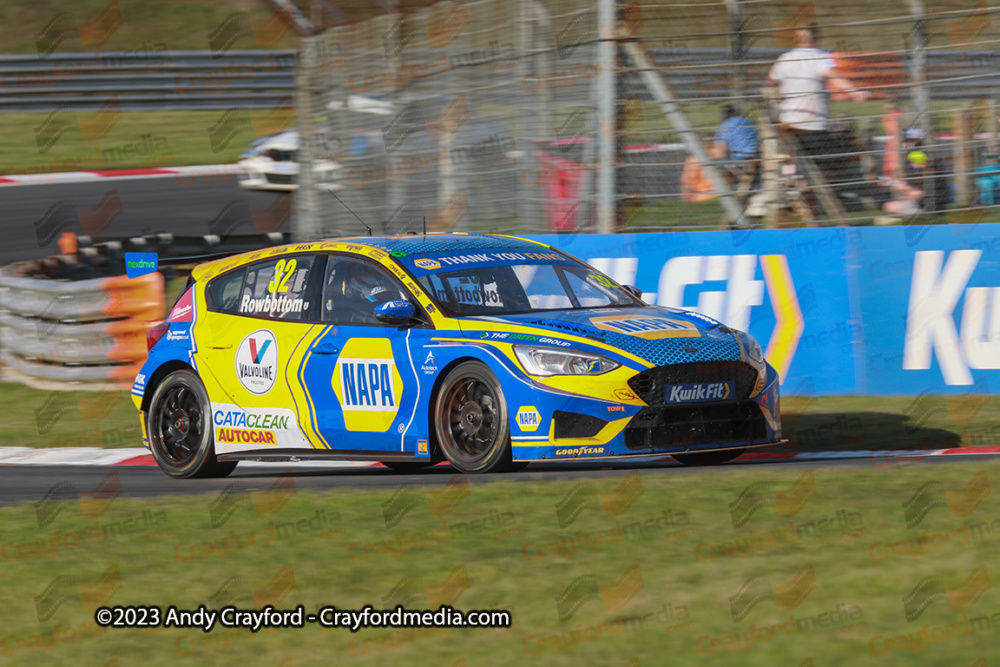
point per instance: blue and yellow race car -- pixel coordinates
(485, 351)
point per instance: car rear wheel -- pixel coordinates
(708, 458)
(180, 429)
(470, 420)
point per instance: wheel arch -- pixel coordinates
(435, 447)
(161, 372)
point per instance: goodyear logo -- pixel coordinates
(367, 384)
(692, 393)
(647, 326)
(427, 264)
(528, 418)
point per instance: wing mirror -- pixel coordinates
(633, 290)
(397, 311)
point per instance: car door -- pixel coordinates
(249, 338)
(360, 374)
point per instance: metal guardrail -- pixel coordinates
(156, 80)
(258, 79)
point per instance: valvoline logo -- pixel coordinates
(257, 362)
(697, 392)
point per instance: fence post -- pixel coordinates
(962, 128)
(607, 20)
(918, 68)
(307, 225)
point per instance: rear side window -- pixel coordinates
(277, 289)
(224, 292)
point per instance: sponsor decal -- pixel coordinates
(271, 304)
(938, 284)
(183, 311)
(652, 327)
(178, 335)
(428, 366)
(427, 264)
(422, 447)
(257, 362)
(250, 419)
(624, 395)
(367, 384)
(140, 263)
(243, 435)
(140, 380)
(616, 408)
(528, 418)
(580, 451)
(696, 392)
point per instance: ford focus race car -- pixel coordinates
(485, 351)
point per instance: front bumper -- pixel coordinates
(574, 432)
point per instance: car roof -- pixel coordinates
(375, 245)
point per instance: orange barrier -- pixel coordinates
(882, 74)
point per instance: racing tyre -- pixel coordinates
(407, 466)
(708, 458)
(470, 420)
(180, 429)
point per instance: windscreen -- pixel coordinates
(505, 283)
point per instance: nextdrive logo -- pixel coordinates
(257, 362)
(935, 290)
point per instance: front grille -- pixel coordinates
(649, 384)
(279, 179)
(696, 424)
(576, 425)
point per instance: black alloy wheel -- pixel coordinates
(179, 427)
(470, 420)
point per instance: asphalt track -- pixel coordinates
(181, 204)
(20, 484)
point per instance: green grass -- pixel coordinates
(156, 138)
(834, 527)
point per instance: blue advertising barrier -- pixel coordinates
(874, 310)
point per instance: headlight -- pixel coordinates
(755, 357)
(551, 361)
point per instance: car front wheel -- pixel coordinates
(470, 420)
(180, 429)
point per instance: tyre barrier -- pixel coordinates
(72, 321)
(85, 334)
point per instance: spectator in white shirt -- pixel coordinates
(802, 75)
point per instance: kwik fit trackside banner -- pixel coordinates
(871, 310)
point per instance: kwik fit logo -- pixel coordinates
(936, 288)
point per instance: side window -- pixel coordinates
(277, 289)
(353, 288)
(224, 292)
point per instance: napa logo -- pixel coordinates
(427, 264)
(257, 362)
(647, 326)
(528, 418)
(367, 385)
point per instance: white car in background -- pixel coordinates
(272, 163)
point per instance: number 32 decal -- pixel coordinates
(282, 272)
